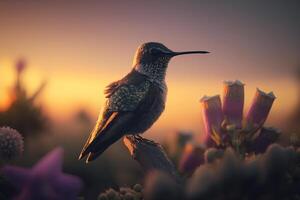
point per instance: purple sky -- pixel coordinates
(80, 46)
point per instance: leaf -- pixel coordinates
(216, 137)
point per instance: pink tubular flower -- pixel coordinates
(260, 108)
(213, 118)
(233, 102)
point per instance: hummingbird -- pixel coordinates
(134, 102)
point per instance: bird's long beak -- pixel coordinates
(188, 52)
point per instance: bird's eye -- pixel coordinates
(155, 51)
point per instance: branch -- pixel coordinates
(150, 155)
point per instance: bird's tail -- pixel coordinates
(97, 147)
(101, 146)
(107, 136)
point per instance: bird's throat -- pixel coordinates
(155, 72)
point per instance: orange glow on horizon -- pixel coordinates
(68, 91)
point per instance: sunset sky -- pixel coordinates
(82, 46)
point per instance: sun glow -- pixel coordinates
(68, 91)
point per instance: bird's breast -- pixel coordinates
(150, 110)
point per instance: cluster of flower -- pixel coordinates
(226, 127)
(272, 175)
(238, 160)
(224, 175)
(224, 122)
(11, 143)
(194, 155)
(124, 193)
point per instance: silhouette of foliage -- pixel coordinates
(23, 113)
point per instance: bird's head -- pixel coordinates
(152, 59)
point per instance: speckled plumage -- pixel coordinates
(133, 103)
(128, 96)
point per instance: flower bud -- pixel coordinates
(20, 65)
(259, 109)
(233, 102)
(212, 117)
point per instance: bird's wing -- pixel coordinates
(124, 98)
(111, 88)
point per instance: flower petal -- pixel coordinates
(16, 175)
(50, 163)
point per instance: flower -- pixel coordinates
(45, 180)
(272, 175)
(226, 127)
(191, 158)
(124, 193)
(233, 102)
(11, 143)
(20, 65)
(213, 118)
(259, 109)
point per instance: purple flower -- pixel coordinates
(20, 65)
(259, 109)
(45, 180)
(192, 157)
(233, 102)
(213, 118)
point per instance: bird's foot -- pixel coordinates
(140, 138)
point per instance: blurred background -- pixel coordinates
(56, 57)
